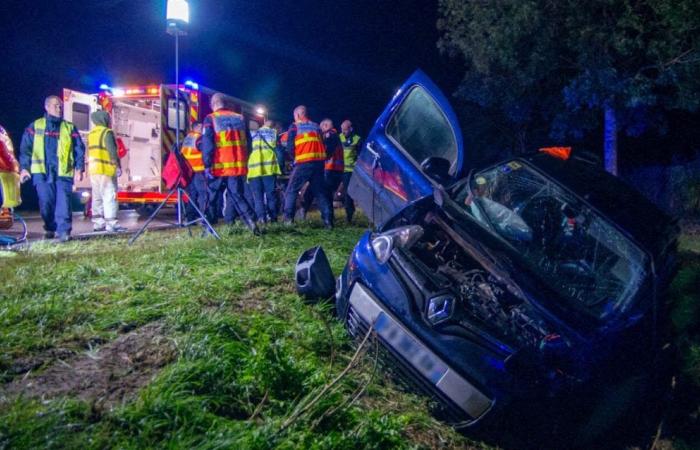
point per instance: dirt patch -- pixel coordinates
(107, 375)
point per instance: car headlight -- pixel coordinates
(401, 237)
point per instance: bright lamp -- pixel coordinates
(178, 11)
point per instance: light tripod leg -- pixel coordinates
(202, 218)
(151, 217)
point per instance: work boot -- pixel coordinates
(328, 225)
(63, 237)
(49, 234)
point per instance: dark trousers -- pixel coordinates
(265, 196)
(331, 181)
(54, 203)
(348, 202)
(313, 173)
(198, 193)
(235, 198)
(231, 212)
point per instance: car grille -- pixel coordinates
(407, 377)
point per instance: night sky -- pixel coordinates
(343, 59)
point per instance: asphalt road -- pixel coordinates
(82, 226)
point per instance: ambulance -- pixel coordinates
(144, 120)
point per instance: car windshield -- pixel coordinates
(572, 248)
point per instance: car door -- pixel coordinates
(417, 124)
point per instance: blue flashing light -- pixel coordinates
(192, 84)
(104, 87)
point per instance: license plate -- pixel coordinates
(410, 349)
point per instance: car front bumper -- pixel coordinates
(414, 362)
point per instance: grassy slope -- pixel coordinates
(241, 333)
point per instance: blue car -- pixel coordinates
(530, 287)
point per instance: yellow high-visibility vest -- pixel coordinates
(350, 144)
(100, 162)
(263, 160)
(64, 149)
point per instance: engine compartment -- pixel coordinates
(482, 300)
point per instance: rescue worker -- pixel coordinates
(225, 160)
(104, 168)
(50, 153)
(351, 145)
(263, 169)
(197, 189)
(333, 168)
(304, 141)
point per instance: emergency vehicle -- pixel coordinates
(144, 119)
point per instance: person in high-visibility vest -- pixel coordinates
(263, 169)
(351, 145)
(197, 190)
(225, 157)
(333, 168)
(104, 168)
(50, 153)
(305, 143)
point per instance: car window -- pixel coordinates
(420, 128)
(573, 248)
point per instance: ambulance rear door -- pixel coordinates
(77, 108)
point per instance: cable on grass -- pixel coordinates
(302, 410)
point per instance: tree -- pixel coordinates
(573, 66)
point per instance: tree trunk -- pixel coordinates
(610, 139)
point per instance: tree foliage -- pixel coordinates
(548, 69)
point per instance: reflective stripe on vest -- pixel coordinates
(336, 162)
(263, 160)
(308, 146)
(99, 160)
(230, 156)
(349, 150)
(64, 148)
(191, 152)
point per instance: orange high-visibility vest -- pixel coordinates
(336, 163)
(308, 146)
(230, 156)
(191, 152)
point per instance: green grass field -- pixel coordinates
(183, 342)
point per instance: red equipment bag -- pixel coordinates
(121, 148)
(176, 171)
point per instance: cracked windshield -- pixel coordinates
(570, 246)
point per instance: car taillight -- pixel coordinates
(401, 237)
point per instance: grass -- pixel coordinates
(251, 358)
(253, 365)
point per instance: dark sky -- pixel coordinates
(343, 59)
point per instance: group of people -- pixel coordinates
(217, 152)
(228, 173)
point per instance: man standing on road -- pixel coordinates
(104, 167)
(50, 152)
(197, 189)
(226, 160)
(305, 143)
(351, 144)
(263, 169)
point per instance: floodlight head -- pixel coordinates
(260, 110)
(177, 16)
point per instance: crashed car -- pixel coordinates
(540, 277)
